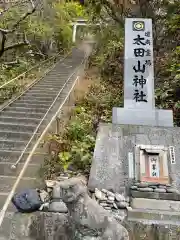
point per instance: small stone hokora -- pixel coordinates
(89, 220)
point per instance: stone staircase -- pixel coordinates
(30, 112)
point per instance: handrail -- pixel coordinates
(8, 200)
(34, 81)
(22, 74)
(37, 128)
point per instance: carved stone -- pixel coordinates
(88, 219)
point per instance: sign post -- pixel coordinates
(139, 99)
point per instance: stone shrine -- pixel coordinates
(138, 154)
(139, 100)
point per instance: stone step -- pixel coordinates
(32, 170)
(57, 78)
(7, 182)
(12, 145)
(33, 101)
(31, 105)
(49, 91)
(40, 95)
(145, 215)
(16, 136)
(53, 81)
(24, 121)
(49, 84)
(3, 197)
(17, 127)
(156, 195)
(13, 156)
(17, 145)
(36, 97)
(15, 114)
(25, 110)
(155, 204)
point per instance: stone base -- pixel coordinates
(159, 117)
(158, 217)
(156, 195)
(110, 165)
(154, 204)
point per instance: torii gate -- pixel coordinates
(80, 22)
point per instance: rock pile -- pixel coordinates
(113, 202)
(117, 204)
(154, 187)
(109, 200)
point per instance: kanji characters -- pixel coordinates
(139, 40)
(139, 81)
(139, 52)
(139, 68)
(139, 96)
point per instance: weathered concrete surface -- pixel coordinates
(110, 162)
(108, 167)
(145, 203)
(156, 195)
(53, 226)
(150, 215)
(36, 226)
(146, 117)
(153, 231)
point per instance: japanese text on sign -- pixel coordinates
(154, 166)
(139, 51)
(138, 65)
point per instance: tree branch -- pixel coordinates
(3, 41)
(15, 45)
(4, 32)
(23, 17)
(112, 11)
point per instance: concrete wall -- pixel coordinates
(54, 226)
(110, 162)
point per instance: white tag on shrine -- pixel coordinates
(172, 155)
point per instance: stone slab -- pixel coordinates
(164, 205)
(110, 169)
(154, 229)
(156, 195)
(107, 169)
(147, 117)
(38, 225)
(139, 214)
(130, 65)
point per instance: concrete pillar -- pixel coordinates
(74, 32)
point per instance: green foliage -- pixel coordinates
(76, 145)
(109, 54)
(48, 32)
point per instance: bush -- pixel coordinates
(76, 146)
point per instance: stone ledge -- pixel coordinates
(151, 230)
(154, 204)
(153, 215)
(156, 195)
